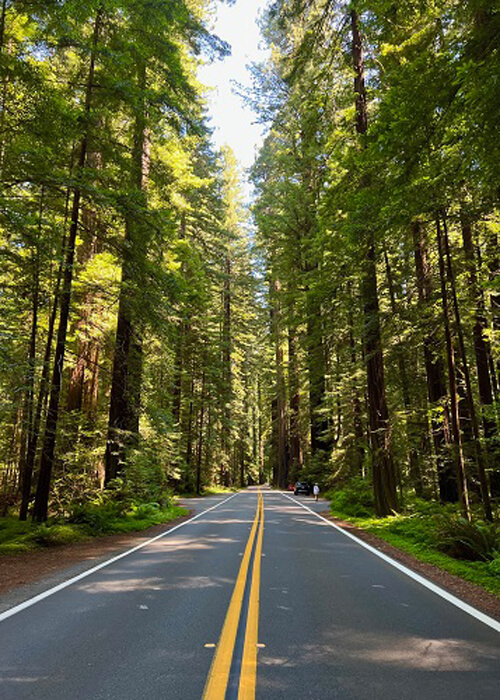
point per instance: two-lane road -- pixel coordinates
(334, 620)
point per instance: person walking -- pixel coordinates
(316, 491)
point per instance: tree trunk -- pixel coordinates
(452, 379)
(296, 454)
(25, 465)
(482, 349)
(282, 432)
(412, 422)
(384, 473)
(44, 379)
(227, 390)
(125, 399)
(434, 369)
(321, 442)
(261, 432)
(40, 510)
(189, 433)
(494, 269)
(480, 461)
(178, 372)
(200, 431)
(357, 413)
(86, 345)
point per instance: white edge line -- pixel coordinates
(486, 619)
(36, 599)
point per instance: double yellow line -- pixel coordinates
(215, 688)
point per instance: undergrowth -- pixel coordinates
(84, 522)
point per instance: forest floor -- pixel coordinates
(470, 593)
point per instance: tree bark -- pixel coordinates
(125, 399)
(44, 379)
(482, 349)
(412, 422)
(452, 379)
(296, 453)
(86, 348)
(384, 473)
(199, 455)
(227, 380)
(25, 465)
(357, 412)
(320, 425)
(40, 510)
(480, 461)
(281, 417)
(434, 369)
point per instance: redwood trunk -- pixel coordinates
(296, 454)
(482, 349)
(434, 369)
(480, 460)
(40, 510)
(412, 423)
(125, 399)
(452, 379)
(384, 473)
(282, 432)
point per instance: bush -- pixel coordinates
(355, 498)
(55, 535)
(98, 519)
(146, 511)
(72, 489)
(147, 478)
(476, 541)
(494, 566)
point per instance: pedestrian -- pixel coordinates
(316, 491)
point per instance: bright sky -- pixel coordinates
(233, 122)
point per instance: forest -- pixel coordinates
(160, 336)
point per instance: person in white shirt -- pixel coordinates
(316, 491)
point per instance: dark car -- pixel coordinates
(302, 487)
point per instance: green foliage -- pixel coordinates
(461, 539)
(354, 498)
(73, 489)
(98, 519)
(91, 520)
(56, 535)
(146, 479)
(17, 537)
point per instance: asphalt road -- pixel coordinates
(336, 620)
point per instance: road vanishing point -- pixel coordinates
(257, 596)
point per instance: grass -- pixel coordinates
(416, 534)
(88, 522)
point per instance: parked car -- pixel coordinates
(302, 487)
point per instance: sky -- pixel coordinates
(234, 123)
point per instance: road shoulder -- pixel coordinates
(468, 592)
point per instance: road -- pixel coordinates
(182, 618)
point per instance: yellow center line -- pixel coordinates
(218, 676)
(248, 676)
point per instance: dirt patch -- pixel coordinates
(29, 567)
(466, 591)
